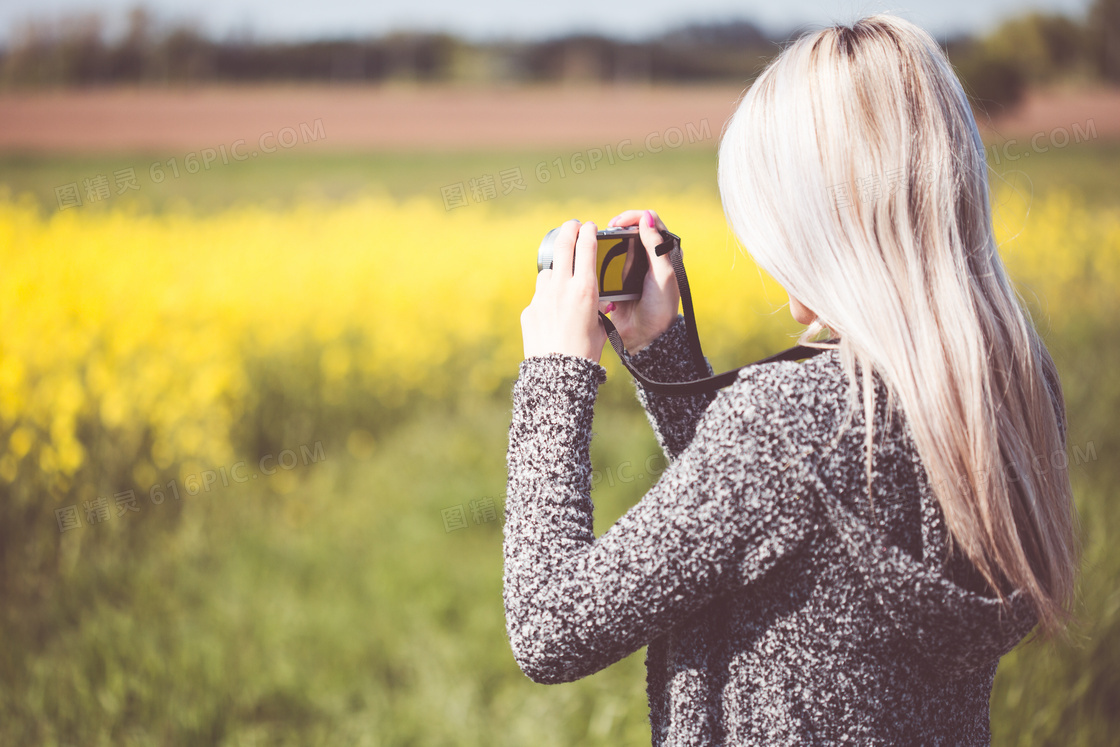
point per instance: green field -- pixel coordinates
(286, 178)
(333, 605)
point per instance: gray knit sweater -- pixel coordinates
(778, 601)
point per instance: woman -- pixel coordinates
(831, 556)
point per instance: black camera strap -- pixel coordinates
(672, 246)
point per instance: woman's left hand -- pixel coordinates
(563, 316)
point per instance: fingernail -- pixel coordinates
(610, 308)
(647, 219)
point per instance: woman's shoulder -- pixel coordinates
(784, 397)
(793, 385)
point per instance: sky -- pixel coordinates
(523, 19)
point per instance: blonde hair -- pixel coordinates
(854, 174)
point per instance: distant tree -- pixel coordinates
(1029, 50)
(741, 34)
(187, 56)
(1104, 32)
(48, 54)
(993, 83)
(130, 60)
(1041, 46)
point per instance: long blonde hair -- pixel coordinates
(854, 174)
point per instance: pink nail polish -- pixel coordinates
(647, 219)
(610, 308)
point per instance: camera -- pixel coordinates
(621, 262)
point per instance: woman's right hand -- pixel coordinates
(643, 321)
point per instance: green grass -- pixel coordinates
(342, 612)
(1088, 167)
(1065, 694)
(283, 179)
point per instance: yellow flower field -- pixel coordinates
(144, 321)
(141, 324)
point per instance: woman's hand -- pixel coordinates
(641, 322)
(563, 316)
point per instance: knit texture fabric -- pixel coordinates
(779, 601)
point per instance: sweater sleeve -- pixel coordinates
(668, 358)
(723, 513)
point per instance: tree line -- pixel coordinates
(75, 52)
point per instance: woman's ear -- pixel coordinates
(801, 314)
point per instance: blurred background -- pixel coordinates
(261, 267)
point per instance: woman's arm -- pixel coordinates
(673, 418)
(723, 513)
(655, 334)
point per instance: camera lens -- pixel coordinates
(544, 254)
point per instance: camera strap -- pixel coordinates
(672, 246)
